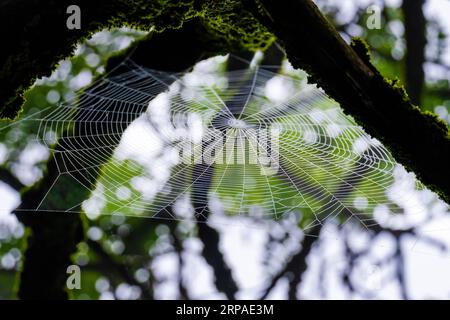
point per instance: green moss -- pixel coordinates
(31, 53)
(361, 48)
(381, 106)
(413, 126)
(55, 235)
(231, 22)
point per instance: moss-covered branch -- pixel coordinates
(381, 106)
(40, 39)
(418, 140)
(36, 37)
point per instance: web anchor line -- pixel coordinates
(277, 145)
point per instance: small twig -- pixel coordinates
(296, 265)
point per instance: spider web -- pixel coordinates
(308, 157)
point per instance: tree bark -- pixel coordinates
(311, 43)
(36, 36)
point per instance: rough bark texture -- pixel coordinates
(345, 72)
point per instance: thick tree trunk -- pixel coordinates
(415, 29)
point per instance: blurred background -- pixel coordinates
(130, 255)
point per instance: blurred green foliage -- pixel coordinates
(120, 244)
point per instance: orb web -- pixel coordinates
(255, 140)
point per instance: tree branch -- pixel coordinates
(37, 37)
(345, 72)
(415, 28)
(10, 179)
(296, 266)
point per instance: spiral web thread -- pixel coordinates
(325, 165)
